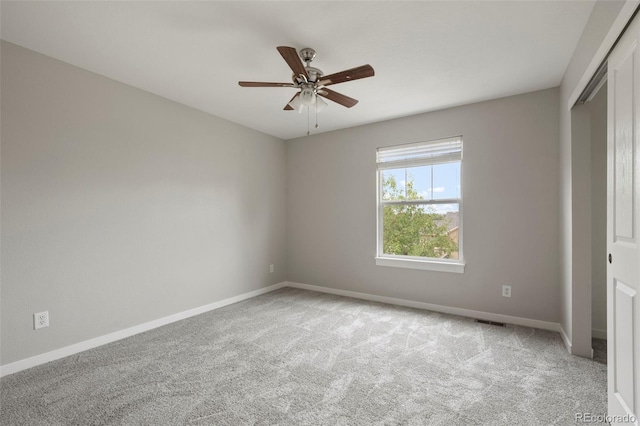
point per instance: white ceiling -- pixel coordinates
(427, 55)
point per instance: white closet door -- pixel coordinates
(623, 218)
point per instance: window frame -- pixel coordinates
(419, 262)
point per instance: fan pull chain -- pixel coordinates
(316, 108)
(308, 121)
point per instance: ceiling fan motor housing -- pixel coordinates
(314, 73)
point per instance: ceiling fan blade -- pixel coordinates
(262, 84)
(337, 97)
(290, 55)
(357, 73)
(288, 107)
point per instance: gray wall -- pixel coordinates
(575, 293)
(120, 207)
(598, 112)
(581, 228)
(510, 193)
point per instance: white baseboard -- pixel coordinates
(545, 325)
(566, 340)
(33, 361)
(23, 364)
(595, 333)
(599, 334)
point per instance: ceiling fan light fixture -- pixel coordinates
(320, 104)
(296, 103)
(307, 96)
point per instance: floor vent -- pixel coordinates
(499, 324)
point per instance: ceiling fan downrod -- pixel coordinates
(308, 55)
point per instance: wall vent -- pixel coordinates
(499, 324)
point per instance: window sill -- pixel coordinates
(428, 265)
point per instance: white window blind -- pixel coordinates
(421, 153)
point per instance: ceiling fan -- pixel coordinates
(312, 82)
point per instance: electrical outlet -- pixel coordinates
(506, 291)
(271, 268)
(41, 320)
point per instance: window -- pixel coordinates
(420, 205)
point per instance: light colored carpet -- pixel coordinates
(296, 357)
(599, 350)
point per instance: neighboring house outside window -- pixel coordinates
(420, 205)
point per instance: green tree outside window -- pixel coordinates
(414, 229)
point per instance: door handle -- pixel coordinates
(610, 258)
